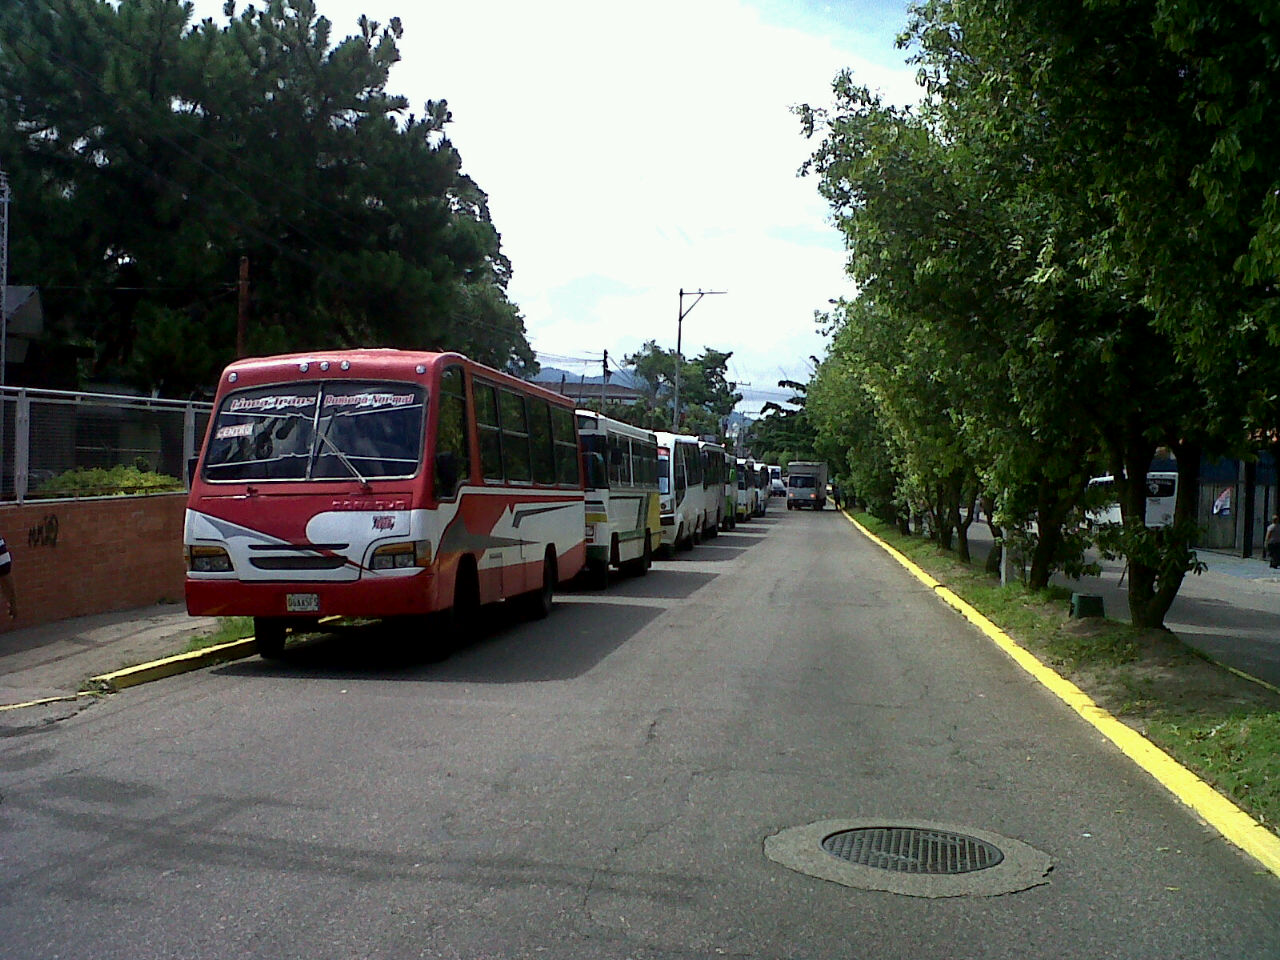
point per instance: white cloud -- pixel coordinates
(631, 150)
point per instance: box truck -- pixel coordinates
(806, 485)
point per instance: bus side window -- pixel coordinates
(568, 465)
(452, 453)
(515, 438)
(487, 427)
(544, 454)
(617, 472)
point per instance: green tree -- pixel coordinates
(150, 154)
(707, 396)
(1130, 139)
(784, 432)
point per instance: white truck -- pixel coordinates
(806, 485)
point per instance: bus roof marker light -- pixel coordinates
(346, 364)
(324, 364)
(304, 367)
(421, 369)
(232, 377)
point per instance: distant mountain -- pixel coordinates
(619, 378)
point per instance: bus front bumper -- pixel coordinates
(401, 596)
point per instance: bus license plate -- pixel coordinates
(302, 602)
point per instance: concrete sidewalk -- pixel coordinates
(1231, 612)
(55, 659)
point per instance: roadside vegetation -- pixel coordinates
(1067, 259)
(265, 140)
(1217, 723)
(229, 630)
(106, 482)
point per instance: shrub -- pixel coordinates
(106, 482)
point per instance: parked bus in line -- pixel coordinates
(682, 498)
(380, 483)
(713, 483)
(762, 489)
(623, 514)
(748, 495)
(728, 492)
(777, 487)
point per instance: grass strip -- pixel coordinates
(228, 630)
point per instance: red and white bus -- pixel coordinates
(380, 483)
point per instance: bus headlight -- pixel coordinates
(206, 559)
(399, 556)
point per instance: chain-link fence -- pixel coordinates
(55, 443)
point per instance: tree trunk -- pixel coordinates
(959, 523)
(1051, 513)
(1156, 575)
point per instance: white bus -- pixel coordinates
(748, 499)
(714, 483)
(1162, 496)
(623, 525)
(776, 487)
(762, 490)
(680, 491)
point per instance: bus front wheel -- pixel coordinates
(598, 574)
(538, 604)
(268, 637)
(641, 564)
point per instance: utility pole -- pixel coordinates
(242, 307)
(4, 310)
(675, 412)
(4, 277)
(604, 380)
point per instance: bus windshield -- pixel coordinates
(333, 430)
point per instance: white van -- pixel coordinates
(1162, 495)
(776, 487)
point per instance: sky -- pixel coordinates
(633, 150)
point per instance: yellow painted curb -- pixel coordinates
(172, 666)
(1219, 812)
(36, 703)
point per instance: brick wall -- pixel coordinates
(77, 557)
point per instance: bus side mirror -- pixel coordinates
(446, 474)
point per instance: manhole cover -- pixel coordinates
(913, 858)
(909, 850)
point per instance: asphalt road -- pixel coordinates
(601, 785)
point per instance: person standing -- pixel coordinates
(6, 579)
(1271, 542)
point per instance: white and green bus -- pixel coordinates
(747, 495)
(623, 525)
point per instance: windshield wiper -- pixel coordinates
(346, 462)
